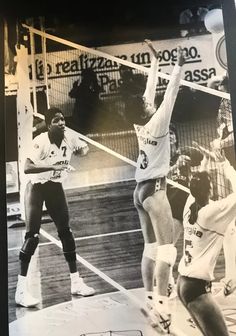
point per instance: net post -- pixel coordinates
(32, 53)
(44, 52)
(4, 323)
(24, 118)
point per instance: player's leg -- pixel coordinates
(149, 251)
(56, 204)
(160, 214)
(159, 211)
(33, 213)
(177, 199)
(199, 302)
(208, 315)
(149, 257)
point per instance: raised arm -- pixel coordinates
(230, 174)
(152, 79)
(223, 143)
(159, 123)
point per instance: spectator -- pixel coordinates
(87, 101)
(132, 85)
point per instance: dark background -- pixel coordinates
(95, 23)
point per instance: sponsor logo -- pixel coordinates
(221, 52)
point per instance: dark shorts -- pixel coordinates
(147, 188)
(190, 288)
(53, 195)
(177, 199)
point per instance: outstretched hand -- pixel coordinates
(181, 56)
(183, 160)
(229, 286)
(154, 51)
(205, 152)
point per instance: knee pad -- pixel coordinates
(150, 251)
(29, 246)
(167, 253)
(68, 244)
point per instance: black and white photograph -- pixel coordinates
(118, 180)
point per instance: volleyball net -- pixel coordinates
(98, 92)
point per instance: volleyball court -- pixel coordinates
(99, 192)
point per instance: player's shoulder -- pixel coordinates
(41, 139)
(73, 140)
(70, 138)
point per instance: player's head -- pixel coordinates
(147, 110)
(174, 142)
(200, 187)
(126, 72)
(55, 123)
(51, 113)
(194, 154)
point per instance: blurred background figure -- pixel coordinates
(131, 86)
(87, 101)
(193, 17)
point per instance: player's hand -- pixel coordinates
(181, 56)
(156, 53)
(70, 169)
(59, 167)
(81, 151)
(216, 144)
(183, 160)
(204, 151)
(229, 286)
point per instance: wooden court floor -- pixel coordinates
(109, 249)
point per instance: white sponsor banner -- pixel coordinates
(64, 67)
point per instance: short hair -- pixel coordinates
(200, 185)
(50, 114)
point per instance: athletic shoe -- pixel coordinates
(22, 296)
(78, 287)
(158, 315)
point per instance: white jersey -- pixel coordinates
(153, 138)
(203, 240)
(43, 152)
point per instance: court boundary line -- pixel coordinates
(116, 233)
(109, 280)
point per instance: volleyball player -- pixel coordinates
(48, 165)
(225, 140)
(150, 197)
(180, 172)
(225, 143)
(205, 223)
